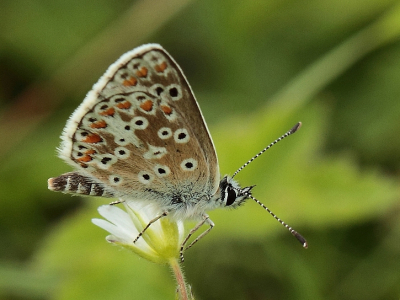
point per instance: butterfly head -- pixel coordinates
(231, 194)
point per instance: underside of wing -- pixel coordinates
(140, 132)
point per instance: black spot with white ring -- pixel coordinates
(145, 177)
(105, 161)
(162, 170)
(159, 90)
(121, 140)
(175, 92)
(115, 179)
(189, 164)
(83, 134)
(164, 133)
(121, 152)
(181, 136)
(139, 122)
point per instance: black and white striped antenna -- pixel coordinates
(291, 131)
(297, 235)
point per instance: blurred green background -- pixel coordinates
(256, 67)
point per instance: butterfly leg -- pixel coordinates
(205, 220)
(148, 225)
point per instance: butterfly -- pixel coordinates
(139, 135)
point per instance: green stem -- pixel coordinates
(180, 279)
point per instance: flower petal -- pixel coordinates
(117, 231)
(159, 243)
(120, 218)
(115, 215)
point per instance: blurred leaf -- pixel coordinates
(20, 281)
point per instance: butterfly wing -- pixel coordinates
(140, 134)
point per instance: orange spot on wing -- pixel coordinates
(92, 138)
(85, 158)
(91, 151)
(142, 72)
(147, 105)
(124, 105)
(130, 82)
(99, 124)
(108, 112)
(166, 109)
(161, 67)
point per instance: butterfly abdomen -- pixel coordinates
(75, 183)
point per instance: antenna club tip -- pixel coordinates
(295, 128)
(300, 238)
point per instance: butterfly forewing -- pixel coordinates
(141, 134)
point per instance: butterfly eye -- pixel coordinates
(230, 195)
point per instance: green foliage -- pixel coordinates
(257, 68)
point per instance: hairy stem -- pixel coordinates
(180, 279)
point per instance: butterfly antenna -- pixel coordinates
(291, 131)
(297, 235)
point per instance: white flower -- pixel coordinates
(159, 243)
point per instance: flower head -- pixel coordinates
(159, 243)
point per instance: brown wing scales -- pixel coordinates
(145, 131)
